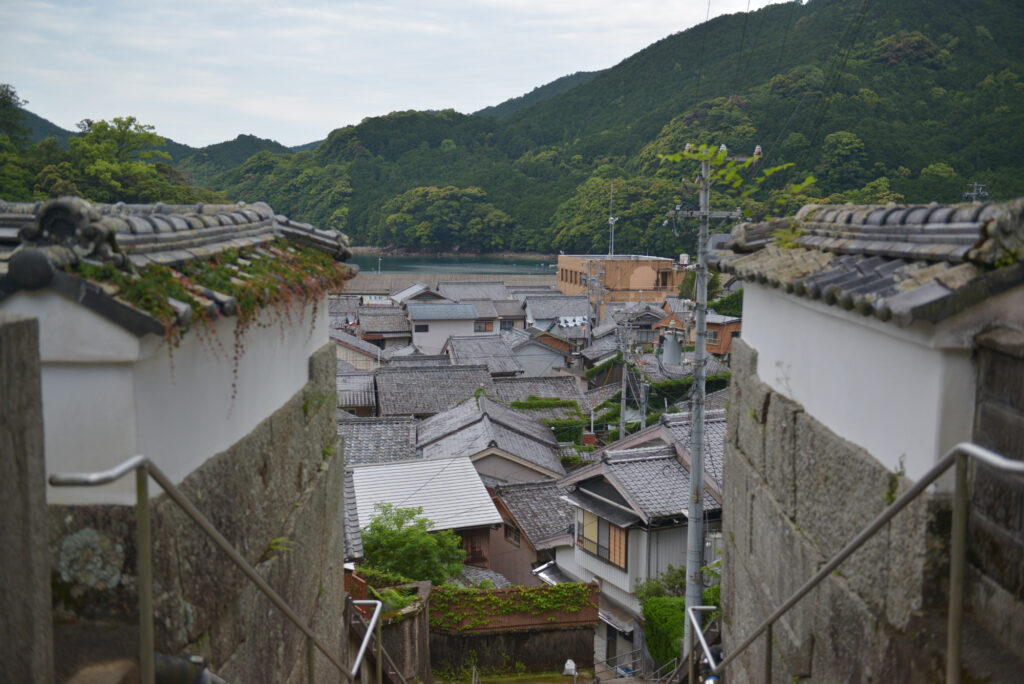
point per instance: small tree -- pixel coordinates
(399, 540)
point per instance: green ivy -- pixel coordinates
(455, 609)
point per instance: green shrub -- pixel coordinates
(665, 622)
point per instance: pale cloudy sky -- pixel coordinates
(203, 71)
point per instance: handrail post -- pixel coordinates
(693, 665)
(768, 654)
(144, 563)
(957, 570)
(380, 653)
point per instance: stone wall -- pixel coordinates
(26, 639)
(996, 520)
(795, 494)
(276, 495)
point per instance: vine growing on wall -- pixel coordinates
(455, 609)
(275, 277)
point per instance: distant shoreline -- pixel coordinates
(369, 250)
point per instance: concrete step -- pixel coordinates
(112, 672)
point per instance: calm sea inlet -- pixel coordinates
(369, 263)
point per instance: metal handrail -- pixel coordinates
(144, 468)
(958, 559)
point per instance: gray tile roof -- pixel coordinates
(714, 401)
(595, 397)
(509, 308)
(441, 312)
(507, 390)
(426, 391)
(652, 366)
(356, 389)
(679, 425)
(515, 337)
(901, 263)
(420, 361)
(654, 479)
(478, 424)
(490, 350)
(605, 346)
(350, 515)
(353, 342)
(548, 307)
(48, 236)
(460, 291)
(382, 319)
(484, 307)
(378, 440)
(539, 510)
(714, 318)
(449, 490)
(410, 291)
(471, 577)
(343, 304)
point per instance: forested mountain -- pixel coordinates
(538, 94)
(901, 100)
(880, 101)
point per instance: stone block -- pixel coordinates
(999, 428)
(26, 640)
(846, 635)
(998, 553)
(998, 610)
(780, 451)
(1001, 370)
(743, 359)
(840, 488)
(999, 497)
(751, 415)
(907, 560)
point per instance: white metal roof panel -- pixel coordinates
(449, 490)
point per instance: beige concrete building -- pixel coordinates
(622, 277)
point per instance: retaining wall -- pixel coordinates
(276, 495)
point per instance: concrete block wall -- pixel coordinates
(795, 494)
(283, 482)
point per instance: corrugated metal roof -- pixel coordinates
(449, 491)
(441, 312)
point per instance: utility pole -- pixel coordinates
(976, 192)
(612, 220)
(624, 350)
(695, 511)
(590, 322)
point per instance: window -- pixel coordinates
(483, 326)
(512, 534)
(712, 337)
(508, 325)
(421, 327)
(601, 538)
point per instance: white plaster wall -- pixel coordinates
(108, 395)
(431, 342)
(668, 547)
(184, 406)
(888, 389)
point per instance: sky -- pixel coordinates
(205, 71)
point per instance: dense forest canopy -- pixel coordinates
(896, 101)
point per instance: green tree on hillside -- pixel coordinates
(12, 116)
